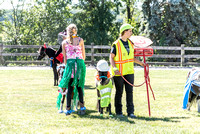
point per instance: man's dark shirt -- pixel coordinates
(125, 43)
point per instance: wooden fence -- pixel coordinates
(167, 56)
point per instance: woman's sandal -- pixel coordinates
(60, 111)
(68, 112)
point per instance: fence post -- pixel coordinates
(1, 54)
(47, 61)
(182, 55)
(92, 53)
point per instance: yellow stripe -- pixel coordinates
(124, 61)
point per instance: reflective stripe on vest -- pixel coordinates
(105, 90)
(107, 96)
(123, 60)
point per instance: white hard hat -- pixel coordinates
(102, 65)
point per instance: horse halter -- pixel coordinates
(42, 53)
(101, 75)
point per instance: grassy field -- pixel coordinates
(28, 105)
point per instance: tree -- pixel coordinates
(130, 6)
(53, 18)
(37, 23)
(1, 24)
(133, 13)
(96, 20)
(12, 22)
(171, 23)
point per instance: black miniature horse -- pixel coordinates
(102, 78)
(50, 52)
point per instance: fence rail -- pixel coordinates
(96, 51)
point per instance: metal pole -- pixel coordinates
(145, 75)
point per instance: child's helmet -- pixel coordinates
(102, 66)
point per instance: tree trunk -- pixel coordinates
(128, 10)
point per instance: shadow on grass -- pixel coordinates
(106, 117)
(89, 87)
(166, 119)
(194, 113)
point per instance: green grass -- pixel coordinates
(28, 105)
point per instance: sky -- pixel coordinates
(6, 4)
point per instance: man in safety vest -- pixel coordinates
(122, 64)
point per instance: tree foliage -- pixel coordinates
(171, 22)
(53, 18)
(96, 20)
(132, 14)
(1, 23)
(166, 22)
(37, 24)
(129, 8)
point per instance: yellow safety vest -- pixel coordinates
(123, 60)
(105, 92)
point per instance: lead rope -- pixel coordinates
(147, 78)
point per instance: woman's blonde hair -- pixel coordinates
(70, 33)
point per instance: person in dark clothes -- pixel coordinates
(61, 36)
(122, 64)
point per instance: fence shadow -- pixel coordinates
(89, 87)
(165, 119)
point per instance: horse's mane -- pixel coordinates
(49, 50)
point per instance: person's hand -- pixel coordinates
(144, 64)
(117, 72)
(51, 58)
